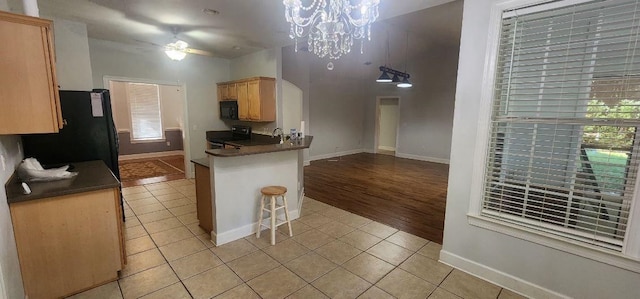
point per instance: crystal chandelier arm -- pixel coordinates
(294, 9)
(367, 16)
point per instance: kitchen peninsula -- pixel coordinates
(236, 176)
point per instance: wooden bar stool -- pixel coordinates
(272, 193)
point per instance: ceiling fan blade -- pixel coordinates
(198, 52)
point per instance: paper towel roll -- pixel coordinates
(31, 8)
(302, 126)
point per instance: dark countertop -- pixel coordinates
(92, 175)
(219, 135)
(262, 149)
(256, 139)
(227, 138)
(202, 162)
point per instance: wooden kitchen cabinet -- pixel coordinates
(28, 87)
(232, 91)
(204, 205)
(262, 99)
(69, 243)
(256, 98)
(243, 100)
(223, 92)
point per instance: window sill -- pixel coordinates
(552, 241)
(133, 141)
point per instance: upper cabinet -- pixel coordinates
(256, 98)
(223, 92)
(28, 88)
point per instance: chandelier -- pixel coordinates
(331, 26)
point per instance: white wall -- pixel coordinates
(11, 151)
(120, 111)
(507, 260)
(199, 73)
(426, 109)
(291, 106)
(295, 69)
(263, 63)
(172, 104)
(388, 124)
(73, 64)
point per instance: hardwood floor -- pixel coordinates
(406, 194)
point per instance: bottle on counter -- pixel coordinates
(293, 135)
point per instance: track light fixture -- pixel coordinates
(400, 78)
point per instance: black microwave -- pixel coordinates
(229, 109)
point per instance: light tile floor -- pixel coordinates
(333, 254)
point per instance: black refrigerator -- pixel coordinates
(89, 133)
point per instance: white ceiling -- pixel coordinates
(251, 25)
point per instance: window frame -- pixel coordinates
(629, 258)
(162, 128)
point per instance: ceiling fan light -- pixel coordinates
(405, 83)
(384, 78)
(175, 54)
(177, 50)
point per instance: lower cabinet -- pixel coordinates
(203, 198)
(68, 244)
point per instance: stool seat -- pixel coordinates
(273, 190)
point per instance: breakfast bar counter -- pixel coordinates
(262, 149)
(236, 177)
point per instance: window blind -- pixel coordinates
(144, 106)
(563, 146)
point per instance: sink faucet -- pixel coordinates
(274, 134)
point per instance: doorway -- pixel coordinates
(387, 125)
(150, 121)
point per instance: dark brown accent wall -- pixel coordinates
(174, 137)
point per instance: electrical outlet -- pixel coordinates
(168, 143)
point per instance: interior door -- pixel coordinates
(253, 91)
(243, 100)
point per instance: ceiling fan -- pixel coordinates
(179, 49)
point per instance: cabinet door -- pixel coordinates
(243, 101)
(68, 243)
(253, 90)
(28, 88)
(232, 91)
(267, 100)
(224, 92)
(203, 198)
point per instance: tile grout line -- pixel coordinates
(158, 247)
(341, 266)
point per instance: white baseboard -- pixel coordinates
(243, 231)
(387, 148)
(149, 155)
(496, 277)
(422, 158)
(336, 154)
